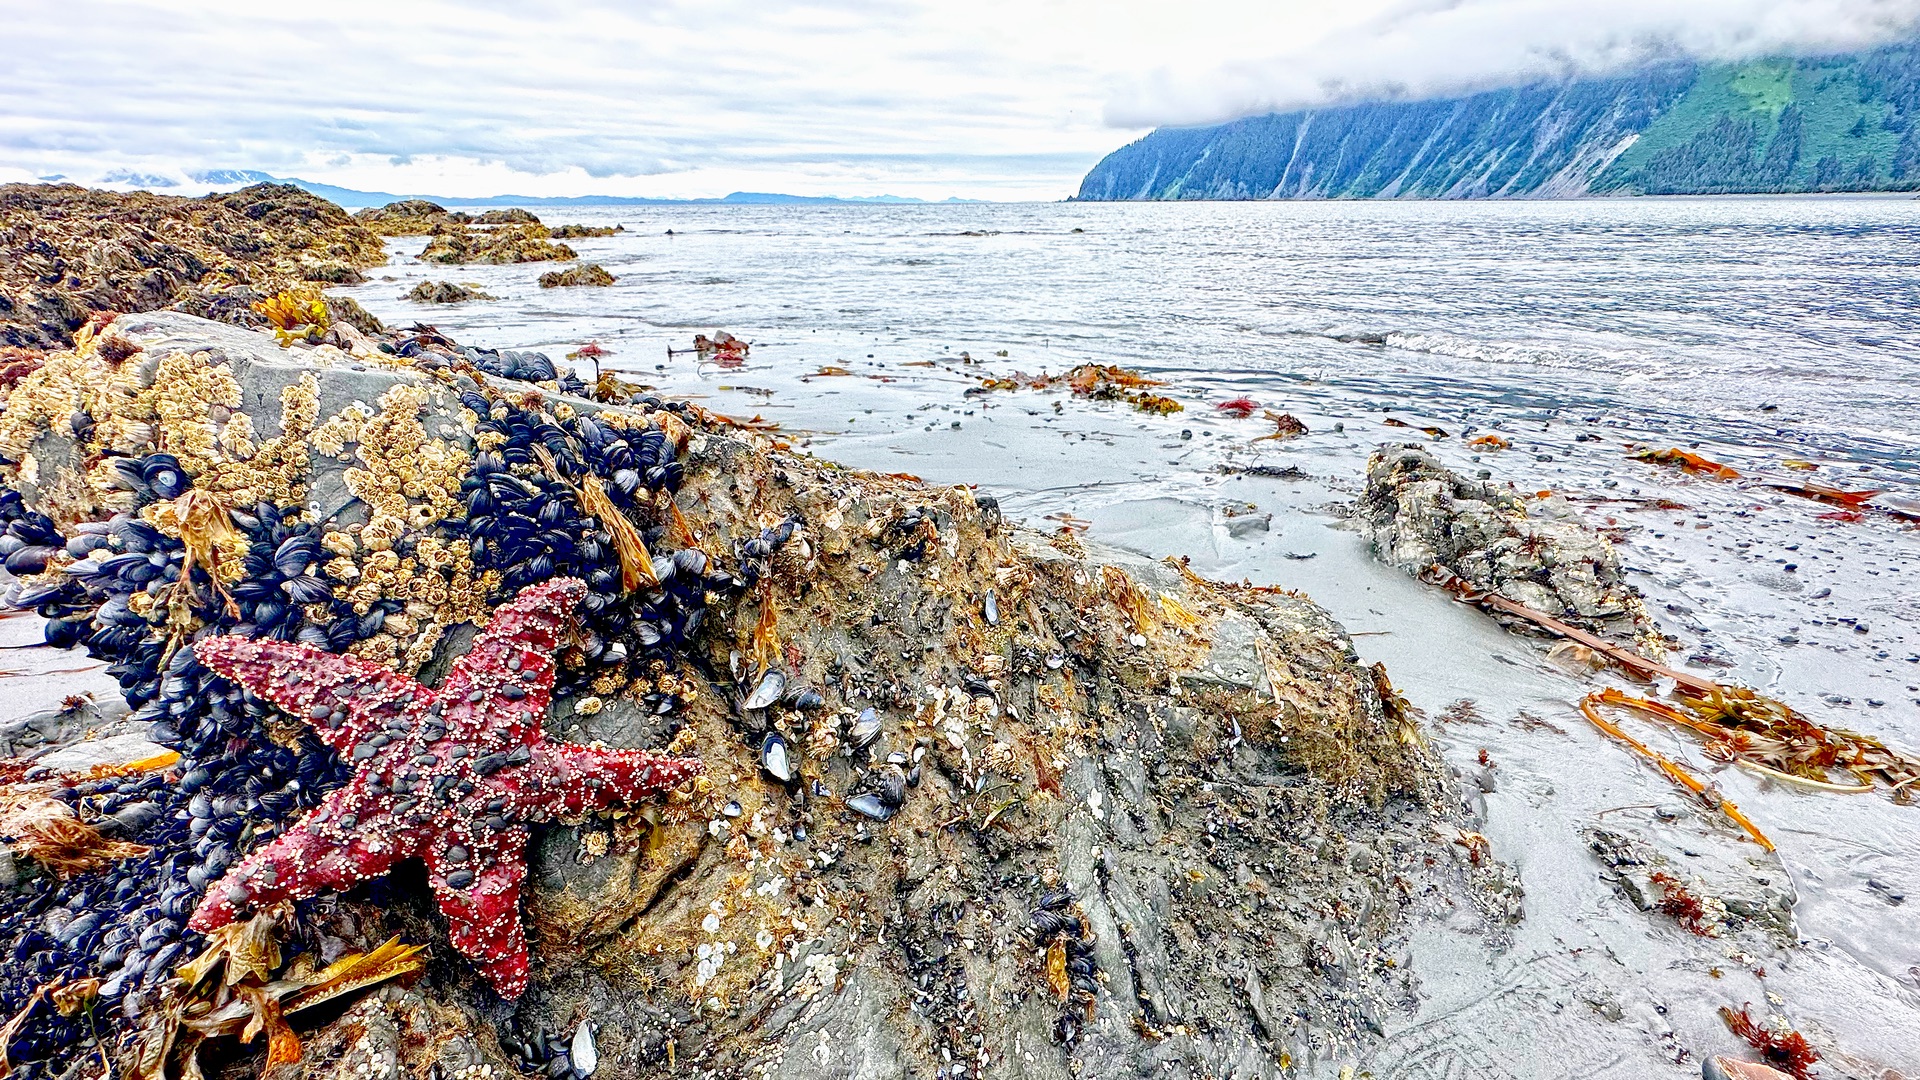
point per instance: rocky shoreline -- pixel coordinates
(977, 800)
(1011, 808)
(67, 252)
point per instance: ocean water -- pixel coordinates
(1694, 310)
(1753, 331)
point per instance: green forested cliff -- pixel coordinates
(1833, 123)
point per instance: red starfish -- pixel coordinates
(450, 776)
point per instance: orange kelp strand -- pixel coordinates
(636, 564)
(1674, 770)
(1852, 500)
(1687, 460)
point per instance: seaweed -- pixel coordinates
(1786, 1049)
(1686, 460)
(1684, 906)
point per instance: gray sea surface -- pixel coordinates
(1753, 331)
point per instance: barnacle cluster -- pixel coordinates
(187, 525)
(120, 405)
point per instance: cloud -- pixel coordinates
(1423, 48)
(984, 98)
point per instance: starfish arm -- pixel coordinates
(577, 780)
(302, 862)
(315, 686)
(500, 690)
(483, 918)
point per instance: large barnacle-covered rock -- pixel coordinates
(975, 800)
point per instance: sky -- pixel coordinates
(990, 99)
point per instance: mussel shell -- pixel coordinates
(294, 555)
(30, 560)
(865, 729)
(586, 1056)
(870, 805)
(776, 757)
(307, 589)
(891, 786)
(772, 685)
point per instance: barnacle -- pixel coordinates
(401, 460)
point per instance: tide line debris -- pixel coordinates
(1686, 460)
(1743, 727)
(1101, 382)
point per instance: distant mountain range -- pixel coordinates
(1832, 123)
(350, 197)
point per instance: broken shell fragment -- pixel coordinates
(586, 1056)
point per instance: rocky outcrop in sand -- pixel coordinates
(445, 292)
(1532, 550)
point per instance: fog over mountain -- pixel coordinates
(1840, 122)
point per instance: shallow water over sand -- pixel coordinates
(1761, 329)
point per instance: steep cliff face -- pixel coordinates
(1838, 123)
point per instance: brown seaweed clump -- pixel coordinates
(67, 252)
(590, 274)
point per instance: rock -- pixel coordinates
(1186, 759)
(69, 251)
(590, 274)
(408, 217)
(569, 232)
(455, 242)
(510, 216)
(50, 728)
(119, 749)
(445, 292)
(1535, 551)
(1741, 890)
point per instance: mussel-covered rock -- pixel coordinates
(1160, 820)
